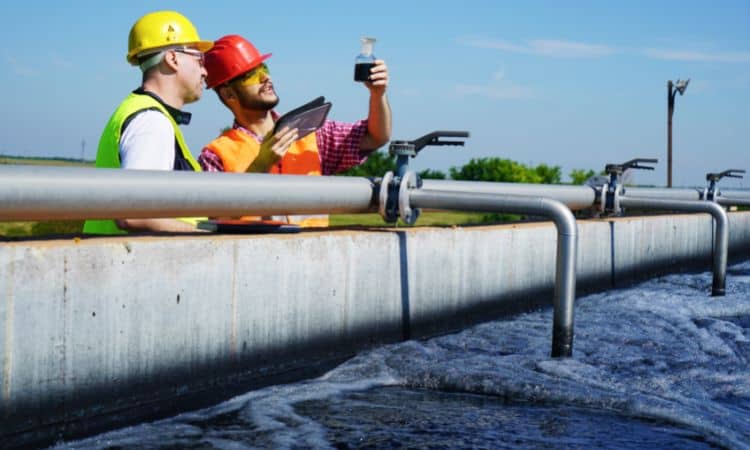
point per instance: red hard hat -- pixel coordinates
(230, 57)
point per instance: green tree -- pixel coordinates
(579, 176)
(549, 174)
(505, 170)
(377, 164)
(432, 174)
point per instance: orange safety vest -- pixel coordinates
(238, 151)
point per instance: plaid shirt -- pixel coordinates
(338, 147)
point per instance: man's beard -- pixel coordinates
(259, 104)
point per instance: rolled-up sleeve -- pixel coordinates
(339, 145)
(210, 162)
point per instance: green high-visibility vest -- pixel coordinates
(108, 153)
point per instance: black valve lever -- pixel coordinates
(434, 139)
(618, 169)
(404, 149)
(614, 189)
(713, 178)
(731, 173)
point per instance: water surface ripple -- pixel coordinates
(661, 364)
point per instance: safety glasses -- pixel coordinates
(193, 52)
(255, 76)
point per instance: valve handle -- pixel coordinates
(434, 139)
(731, 173)
(636, 163)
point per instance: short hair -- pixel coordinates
(147, 73)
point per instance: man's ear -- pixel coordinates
(171, 60)
(226, 92)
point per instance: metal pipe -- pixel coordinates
(738, 194)
(574, 197)
(670, 113)
(733, 201)
(567, 236)
(665, 194)
(721, 238)
(44, 193)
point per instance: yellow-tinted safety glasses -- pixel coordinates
(255, 76)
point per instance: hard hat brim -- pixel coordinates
(242, 70)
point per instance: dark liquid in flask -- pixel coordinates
(362, 71)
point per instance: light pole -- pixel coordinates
(672, 90)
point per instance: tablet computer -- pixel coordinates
(306, 118)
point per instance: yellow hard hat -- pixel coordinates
(162, 29)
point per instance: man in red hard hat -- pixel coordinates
(238, 73)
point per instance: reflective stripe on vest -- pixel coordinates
(108, 153)
(238, 151)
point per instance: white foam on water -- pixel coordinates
(269, 412)
(663, 350)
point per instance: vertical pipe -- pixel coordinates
(721, 251)
(567, 240)
(721, 237)
(565, 277)
(670, 110)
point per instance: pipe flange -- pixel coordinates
(602, 199)
(385, 185)
(410, 181)
(612, 198)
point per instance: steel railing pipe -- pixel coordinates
(735, 194)
(45, 193)
(733, 201)
(721, 238)
(567, 236)
(574, 197)
(663, 193)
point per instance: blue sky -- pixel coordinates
(575, 84)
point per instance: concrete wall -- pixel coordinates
(102, 331)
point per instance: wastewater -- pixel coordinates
(660, 364)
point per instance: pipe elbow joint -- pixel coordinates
(561, 215)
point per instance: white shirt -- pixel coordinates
(148, 142)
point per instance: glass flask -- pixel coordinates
(365, 60)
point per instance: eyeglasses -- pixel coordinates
(255, 76)
(193, 52)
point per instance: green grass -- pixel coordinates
(16, 229)
(41, 228)
(426, 219)
(34, 161)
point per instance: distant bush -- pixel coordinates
(52, 227)
(377, 164)
(579, 176)
(430, 174)
(506, 170)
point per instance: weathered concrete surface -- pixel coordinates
(115, 329)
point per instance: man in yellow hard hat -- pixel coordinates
(238, 73)
(143, 132)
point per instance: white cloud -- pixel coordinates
(545, 47)
(19, 68)
(60, 63)
(568, 49)
(572, 49)
(693, 56)
(497, 91)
